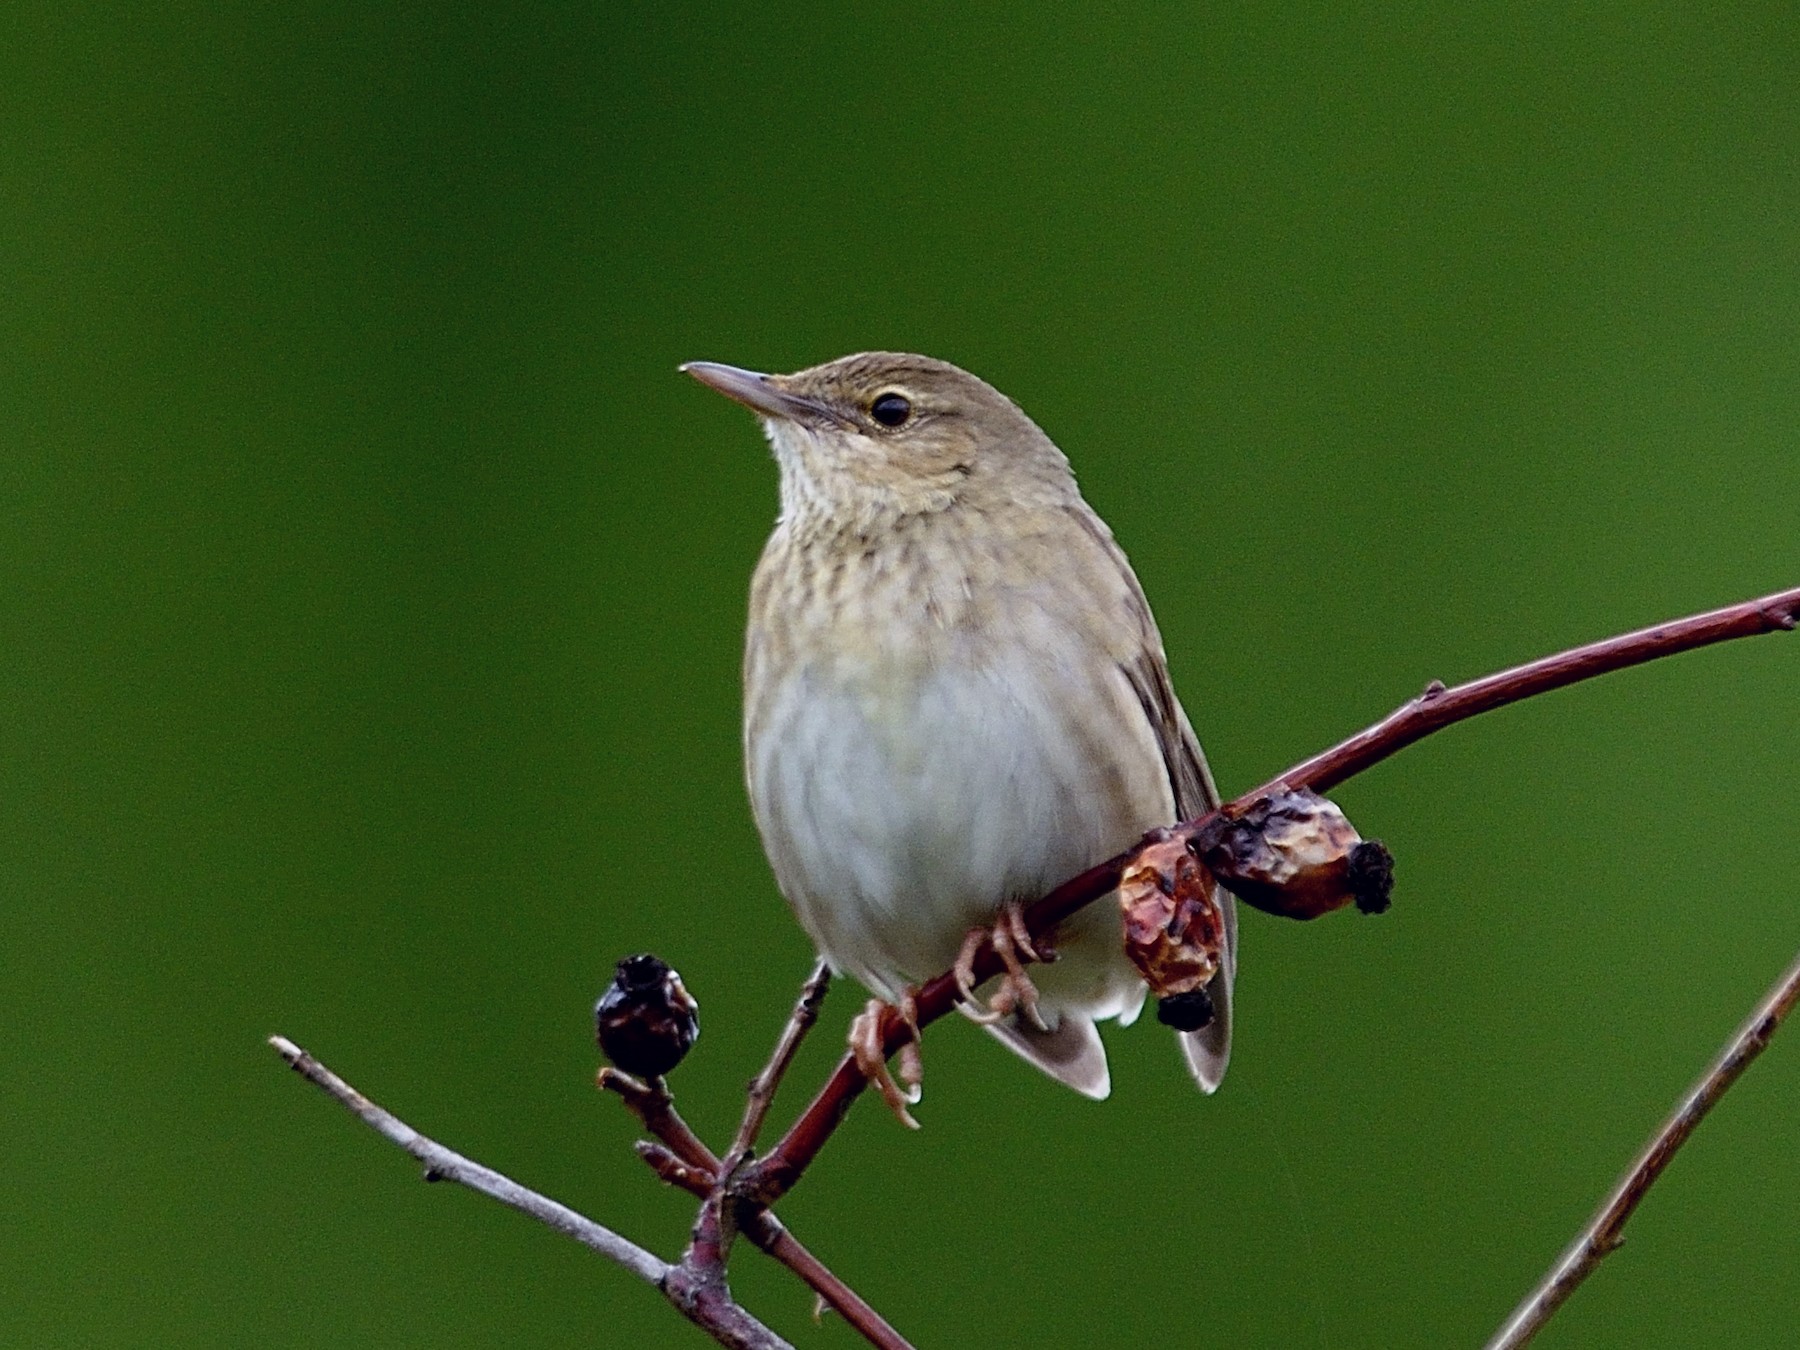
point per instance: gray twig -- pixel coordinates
(1605, 1233)
(709, 1307)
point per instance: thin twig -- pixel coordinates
(443, 1164)
(725, 1321)
(762, 1087)
(655, 1109)
(1432, 711)
(674, 1171)
(768, 1233)
(1605, 1233)
(710, 1243)
(1438, 707)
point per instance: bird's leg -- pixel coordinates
(1016, 992)
(867, 1047)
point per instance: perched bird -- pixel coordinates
(955, 697)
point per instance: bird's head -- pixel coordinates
(882, 435)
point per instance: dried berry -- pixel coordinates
(1174, 928)
(646, 1021)
(1293, 853)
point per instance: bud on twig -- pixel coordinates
(1295, 854)
(646, 1021)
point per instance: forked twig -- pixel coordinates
(1605, 1233)
(683, 1160)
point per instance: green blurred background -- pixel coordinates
(374, 593)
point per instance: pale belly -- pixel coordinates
(899, 814)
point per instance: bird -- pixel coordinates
(955, 698)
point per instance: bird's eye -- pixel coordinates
(890, 409)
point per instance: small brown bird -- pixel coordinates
(955, 697)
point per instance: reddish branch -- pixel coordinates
(1432, 711)
(1438, 707)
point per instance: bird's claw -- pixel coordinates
(868, 1048)
(1016, 994)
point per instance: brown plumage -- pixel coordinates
(955, 695)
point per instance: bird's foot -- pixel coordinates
(868, 1047)
(1016, 994)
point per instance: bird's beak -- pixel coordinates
(759, 393)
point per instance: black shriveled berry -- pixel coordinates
(646, 1021)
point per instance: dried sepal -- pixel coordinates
(1174, 929)
(1186, 1012)
(1295, 854)
(1371, 876)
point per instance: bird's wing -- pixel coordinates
(1146, 669)
(1070, 1052)
(1208, 1050)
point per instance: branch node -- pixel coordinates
(672, 1170)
